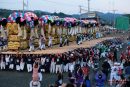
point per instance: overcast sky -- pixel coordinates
(69, 6)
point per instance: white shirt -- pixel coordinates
(7, 58)
(42, 61)
(114, 69)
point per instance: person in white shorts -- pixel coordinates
(2, 62)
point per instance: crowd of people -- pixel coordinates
(77, 63)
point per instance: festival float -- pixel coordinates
(19, 32)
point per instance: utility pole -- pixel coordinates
(114, 12)
(23, 6)
(88, 5)
(27, 5)
(80, 11)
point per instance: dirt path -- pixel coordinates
(56, 49)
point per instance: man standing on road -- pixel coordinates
(58, 64)
(52, 66)
(29, 63)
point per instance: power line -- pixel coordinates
(9, 2)
(60, 3)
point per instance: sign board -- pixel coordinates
(91, 14)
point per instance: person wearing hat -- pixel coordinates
(114, 73)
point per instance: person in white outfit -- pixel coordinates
(71, 67)
(50, 42)
(31, 44)
(11, 65)
(35, 84)
(66, 64)
(58, 65)
(17, 64)
(43, 64)
(22, 63)
(42, 43)
(53, 64)
(114, 73)
(7, 60)
(2, 62)
(29, 64)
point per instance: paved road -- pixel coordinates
(22, 79)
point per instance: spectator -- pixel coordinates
(60, 79)
(29, 63)
(100, 79)
(106, 68)
(79, 77)
(87, 82)
(35, 77)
